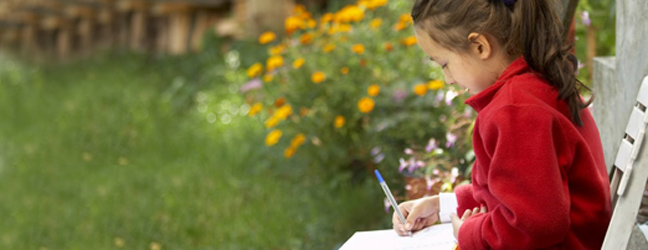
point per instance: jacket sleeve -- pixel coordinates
(465, 199)
(525, 175)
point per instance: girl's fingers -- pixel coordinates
(475, 210)
(483, 209)
(466, 214)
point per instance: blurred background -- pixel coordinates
(226, 124)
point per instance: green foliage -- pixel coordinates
(357, 87)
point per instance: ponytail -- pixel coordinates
(542, 46)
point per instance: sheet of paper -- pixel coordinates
(434, 237)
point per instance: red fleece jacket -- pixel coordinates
(542, 178)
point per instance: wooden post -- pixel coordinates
(204, 21)
(179, 25)
(107, 26)
(263, 15)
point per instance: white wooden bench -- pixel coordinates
(629, 175)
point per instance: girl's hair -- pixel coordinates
(530, 28)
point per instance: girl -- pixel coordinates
(539, 180)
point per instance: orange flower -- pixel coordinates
(409, 41)
(327, 18)
(435, 84)
(389, 46)
(344, 70)
(373, 90)
(376, 23)
(339, 121)
(306, 39)
(283, 112)
(255, 70)
(255, 109)
(350, 13)
(311, 23)
(303, 111)
(272, 122)
(276, 50)
(268, 78)
(366, 105)
(318, 77)
(274, 62)
(273, 137)
(267, 37)
(405, 18)
(345, 28)
(298, 140)
(358, 49)
(280, 102)
(400, 26)
(294, 23)
(420, 89)
(329, 47)
(298, 63)
(289, 152)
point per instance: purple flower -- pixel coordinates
(451, 139)
(450, 96)
(468, 113)
(586, 18)
(432, 145)
(439, 98)
(379, 158)
(454, 174)
(251, 85)
(409, 151)
(429, 183)
(403, 165)
(399, 95)
(375, 151)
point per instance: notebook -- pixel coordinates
(435, 237)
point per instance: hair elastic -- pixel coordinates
(509, 2)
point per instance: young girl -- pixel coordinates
(539, 180)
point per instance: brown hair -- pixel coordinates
(530, 28)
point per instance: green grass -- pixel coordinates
(111, 148)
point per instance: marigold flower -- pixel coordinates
(339, 121)
(280, 102)
(358, 49)
(327, 18)
(311, 23)
(405, 18)
(366, 105)
(306, 39)
(267, 37)
(420, 89)
(344, 70)
(373, 90)
(283, 112)
(268, 78)
(372, 4)
(277, 50)
(298, 63)
(298, 140)
(389, 46)
(272, 122)
(294, 23)
(345, 28)
(435, 84)
(409, 41)
(255, 109)
(289, 152)
(274, 62)
(255, 70)
(400, 26)
(329, 47)
(273, 137)
(318, 77)
(375, 23)
(350, 13)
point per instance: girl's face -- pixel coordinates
(472, 70)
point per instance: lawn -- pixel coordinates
(112, 153)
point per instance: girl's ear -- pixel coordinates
(480, 46)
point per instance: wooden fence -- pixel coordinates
(63, 29)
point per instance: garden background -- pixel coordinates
(266, 142)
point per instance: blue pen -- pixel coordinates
(391, 199)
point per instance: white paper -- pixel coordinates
(435, 237)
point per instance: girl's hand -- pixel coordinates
(419, 213)
(456, 222)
